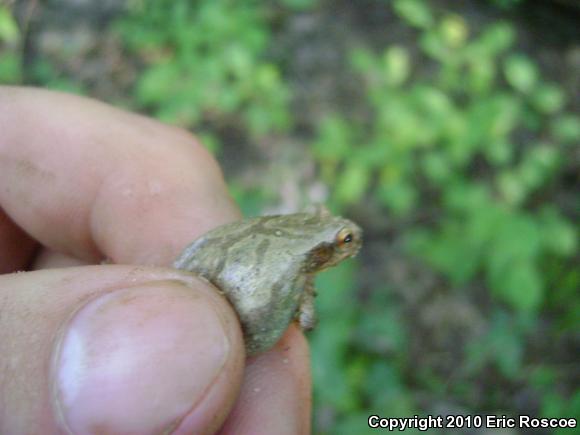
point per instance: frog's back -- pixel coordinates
(251, 263)
(259, 236)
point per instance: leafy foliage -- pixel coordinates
(476, 143)
(425, 139)
(207, 65)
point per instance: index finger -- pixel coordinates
(93, 181)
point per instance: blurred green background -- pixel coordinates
(448, 130)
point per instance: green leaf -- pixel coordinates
(267, 78)
(496, 38)
(330, 339)
(558, 235)
(553, 405)
(506, 346)
(178, 111)
(511, 264)
(543, 376)
(566, 128)
(456, 251)
(517, 235)
(501, 345)
(521, 287)
(490, 119)
(512, 188)
(435, 102)
(433, 44)
(436, 167)
(334, 140)
(396, 65)
(363, 60)
(158, 82)
(537, 165)
(251, 200)
(328, 344)
(10, 70)
(454, 31)
(521, 73)
(352, 183)
(239, 60)
(462, 196)
(415, 12)
(548, 98)
(481, 74)
(210, 141)
(506, 112)
(9, 32)
(400, 196)
(385, 387)
(499, 152)
(381, 330)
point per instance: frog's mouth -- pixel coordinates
(320, 257)
(327, 255)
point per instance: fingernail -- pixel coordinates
(137, 360)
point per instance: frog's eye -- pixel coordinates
(344, 236)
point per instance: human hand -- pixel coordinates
(125, 348)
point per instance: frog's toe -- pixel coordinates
(307, 320)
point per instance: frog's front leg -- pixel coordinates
(306, 314)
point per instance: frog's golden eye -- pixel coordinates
(344, 236)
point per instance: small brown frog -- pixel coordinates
(265, 266)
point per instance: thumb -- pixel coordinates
(115, 349)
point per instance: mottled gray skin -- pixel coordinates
(265, 267)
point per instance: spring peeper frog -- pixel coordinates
(265, 267)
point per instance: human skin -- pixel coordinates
(133, 346)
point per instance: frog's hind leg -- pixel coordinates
(306, 314)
